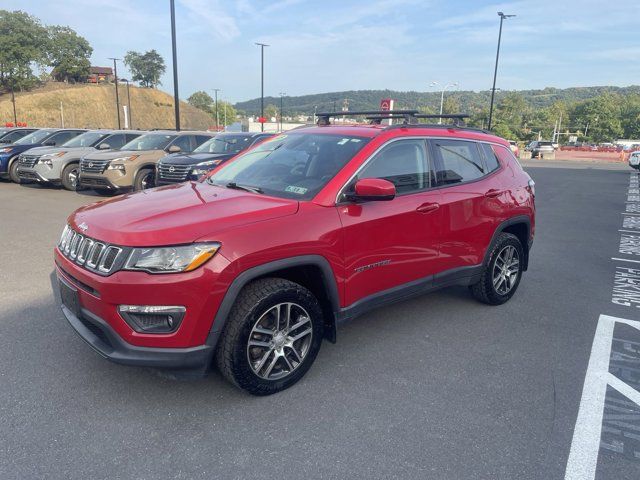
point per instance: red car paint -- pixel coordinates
(410, 237)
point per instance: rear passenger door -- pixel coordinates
(472, 201)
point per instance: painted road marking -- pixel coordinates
(583, 456)
(625, 260)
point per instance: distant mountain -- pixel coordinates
(469, 101)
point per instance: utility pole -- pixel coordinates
(262, 45)
(115, 75)
(282, 94)
(129, 105)
(216, 90)
(176, 98)
(495, 71)
(13, 100)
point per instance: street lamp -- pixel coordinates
(282, 94)
(495, 71)
(128, 103)
(262, 45)
(176, 99)
(115, 76)
(444, 89)
(216, 90)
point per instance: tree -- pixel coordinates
(68, 54)
(603, 116)
(203, 101)
(22, 39)
(145, 68)
(270, 111)
(226, 113)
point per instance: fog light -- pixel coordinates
(152, 318)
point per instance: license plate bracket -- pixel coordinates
(69, 296)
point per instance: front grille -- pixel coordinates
(93, 166)
(97, 331)
(91, 254)
(173, 173)
(94, 182)
(28, 161)
(28, 175)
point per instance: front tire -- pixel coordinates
(70, 177)
(272, 336)
(501, 276)
(13, 171)
(145, 178)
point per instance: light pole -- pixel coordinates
(495, 71)
(282, 94)
(176, 99)
(315, 110)
(215, 91)
(444, 89)
(13, 101)
(115, 76)
(128, 103)
(262, 45)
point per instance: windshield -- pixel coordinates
(88, 139)
(151, 141)
(225, 144)
(291, 166)
(36, 137)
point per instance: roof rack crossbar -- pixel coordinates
(457, 117)
(323, 118)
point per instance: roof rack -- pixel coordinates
(458, 118)
(323, 118)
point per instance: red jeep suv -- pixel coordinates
(252, 267)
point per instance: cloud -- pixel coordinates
(209, 15)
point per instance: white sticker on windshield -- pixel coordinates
(294, 189)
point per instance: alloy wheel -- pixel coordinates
(73, 178)
(279, 341)
(506, 270)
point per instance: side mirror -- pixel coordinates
(174, 149)
(104, 146)
(373, 189)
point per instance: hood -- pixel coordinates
(111, 154)
(19, 148)
(176, 214)
(194, 158)
(54, 150)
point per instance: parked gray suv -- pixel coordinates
(60, 165)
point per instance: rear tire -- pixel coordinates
(502, 273)
(13, 171)
(145, 178)
(272, 336)
(70, 177)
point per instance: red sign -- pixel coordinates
(262, 120)
(386, 104)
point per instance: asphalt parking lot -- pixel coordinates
(437, 387)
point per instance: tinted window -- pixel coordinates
(150, 141)
(200, 139)
(460, 161)
(130, 136)
(87, 139)
(403, 163)
(225, 144)
(61, 137)
(34, 138)
(13, 136)
(184, 142)
(490, 157)
(115, 141)
(291, 165)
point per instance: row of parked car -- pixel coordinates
(112, 161)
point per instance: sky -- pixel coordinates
(334, 45)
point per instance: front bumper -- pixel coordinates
(32, 175)
(97, 182)
(103, 339)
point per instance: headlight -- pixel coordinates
(116, 166)
(208, 164)
(183, 258)
(6, 150)
(125, 159)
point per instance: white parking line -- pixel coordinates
(625, 260)
(583, 456)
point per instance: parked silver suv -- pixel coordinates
(60, 165)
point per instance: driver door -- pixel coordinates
(392, 243)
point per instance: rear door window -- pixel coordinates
(115, 141)
(184, 142)
(459, 161)
(61, 137)
(490, 158)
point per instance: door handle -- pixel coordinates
(492, 193)
(428, 207)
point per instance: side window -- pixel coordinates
(115, 141)
(184, 142)
(200, 139)
(130, 136)
(58, 139)
(490, 157)
(460, 161)
(403, 163)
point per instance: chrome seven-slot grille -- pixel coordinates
(28, 161)
(93, 166)
(91, 254)
(173, 173)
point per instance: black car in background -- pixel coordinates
(180, 167)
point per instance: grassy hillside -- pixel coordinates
(469, 101)
(93, 106)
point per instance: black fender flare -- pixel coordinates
(500, 228)
(328, 280)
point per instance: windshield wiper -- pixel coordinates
(247, 188)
